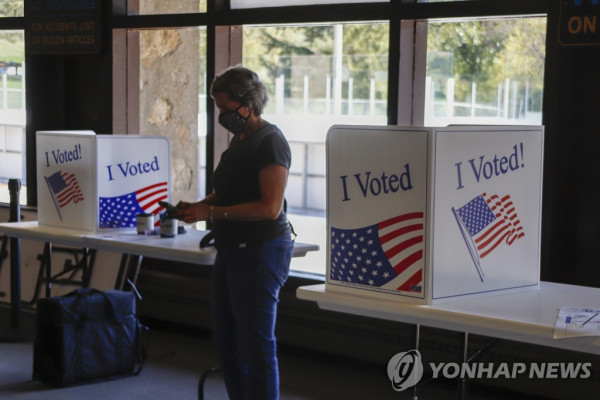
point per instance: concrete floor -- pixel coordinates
(176, 359)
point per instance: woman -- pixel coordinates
(252, 236)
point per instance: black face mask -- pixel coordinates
(233, 121)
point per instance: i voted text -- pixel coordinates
(486, 168)
(369, 184)
(64, 156)
(129, 169)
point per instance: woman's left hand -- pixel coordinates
(193, 212)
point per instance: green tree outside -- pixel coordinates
(487, 53)
(11, 43)
(12, 56)
(295, 52)
(11, 8)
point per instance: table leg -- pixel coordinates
(15, 282)
(416, 340)
(85, 273)
(14, 188)
(48, 263)
(121, 273)
(15, 333)
(129, 269)
(202, 381)
(133, 271)
(463, 383)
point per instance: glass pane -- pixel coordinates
(485, 71)
(172, 102)
(12, 8)
(318, 76)
(166, 7)
(12, 112)
(282, 3)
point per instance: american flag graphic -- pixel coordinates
(486, 222)
(387, 255)
(121, 211)
(64, 189)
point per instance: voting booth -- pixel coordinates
(434, 214)
(95, 182)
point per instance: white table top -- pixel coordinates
(184, 247)
(30, 230)
(528, 316)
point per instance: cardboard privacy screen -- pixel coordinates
(433, 214)
(133, 176)
(93, 183)
(377, 208)
(487, 203)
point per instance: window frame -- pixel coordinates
(406, 57)
(405, 82)
(219, 21)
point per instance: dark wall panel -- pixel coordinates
(571, 222)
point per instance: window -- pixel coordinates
(282, 3)
(459, 71)
(145, 7)
(12, 8)
(487, 71)
(12, 112)
(318, 76)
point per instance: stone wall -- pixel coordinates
(169, 87)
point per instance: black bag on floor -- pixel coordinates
(87, 335)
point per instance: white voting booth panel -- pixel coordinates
(133, 175)
(377, 209)
(66, 183)
(95, 182)
(433, 214)
(486, 213)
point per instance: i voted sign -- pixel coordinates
(133, 176)
(95, 182)
(377, 180)
(434, 214)
(487, 209)
(65, 178)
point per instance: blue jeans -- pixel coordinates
(245, 292)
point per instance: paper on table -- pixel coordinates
(575, 321)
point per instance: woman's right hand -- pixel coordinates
(192, 212)
(182, 205)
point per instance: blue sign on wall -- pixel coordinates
(579, 22)
(63, 26)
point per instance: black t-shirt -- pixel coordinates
(235, 181)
